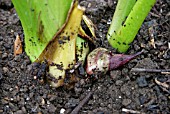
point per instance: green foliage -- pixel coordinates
(127, 19)
(40, 21)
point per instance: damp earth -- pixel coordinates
(22, 89)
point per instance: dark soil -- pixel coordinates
(21, 92)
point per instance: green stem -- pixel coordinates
(121, 37)
(123, 9)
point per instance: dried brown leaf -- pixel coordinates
(17, 46)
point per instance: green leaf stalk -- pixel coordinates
(126, 22)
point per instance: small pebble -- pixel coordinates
(119, 82)
(152, 107)
(142, 99)
(42, 101)
(142, 81)
(1, 38)
(167, 54)
(100, 112)
(18, 112)
(3, 101)
(126, 102)
(17, 58)
(1, 76)
(23, 110)
(72, 103)
(5, 69)
(114, 74)
(62, 111)
(5, 55)
(51, 108)
(7, 46)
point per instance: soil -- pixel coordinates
(22, 91)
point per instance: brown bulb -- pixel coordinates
(101, 60)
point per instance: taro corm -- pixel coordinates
(101, 60)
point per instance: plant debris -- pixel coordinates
(17, 45)
(163, 71)
(77, 109)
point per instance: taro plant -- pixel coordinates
(101, 60)
(40, 22)
(127, 19)
(51, 31)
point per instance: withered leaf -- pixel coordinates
(17, 46)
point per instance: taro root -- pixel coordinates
(101, 60)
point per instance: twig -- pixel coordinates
(164, 89)
(151, 70)
(164, 86)
(155, 15)
(161, 84)
(165, 72)
(77, 109)
(131, 111)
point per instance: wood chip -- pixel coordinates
(17, 46)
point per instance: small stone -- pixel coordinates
(142, 99)
(22, 66)
(119, 82)
(1, 76)
(29, 68)
(17, 58)
(109, 106)
(115, 74)
(102, 104)
(72, 103)
(62, 111)
(5, 69)
(1, 38)
(18, 112)
(13, 70)
(5, 55)
(52, 97)
(3, 101)
(91, 102)
(35, 77)
(82, 82)
(100, 112)
(31, 94)
(81, 70)
(42, 101)
(126, 102)
(21, 102)
(1, 111)
(7, 46)
(23, 110)
(77, 89)
(142, 81)
(51, 108)
(167, 54)
(13, 107)
(152, 107)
